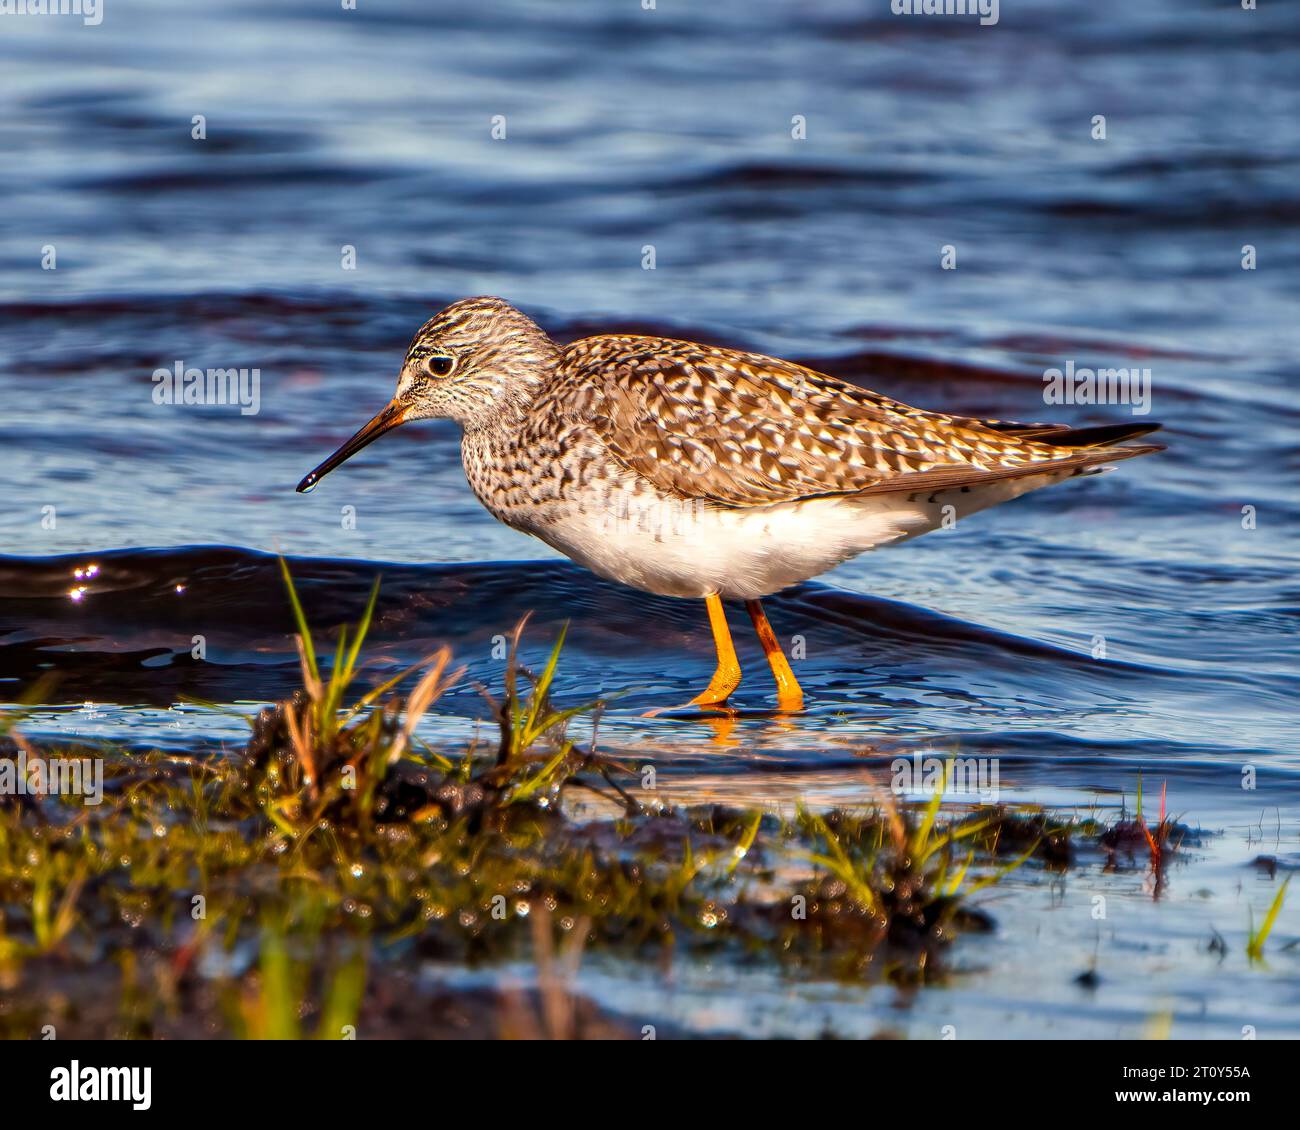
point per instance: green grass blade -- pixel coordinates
(747, 841)
(544, 681)
(955, 885)
(387, 685)
(337, 685)
(922, 835)
(362, 628)
(1255, 948)
(998, 876)
(279, 1015)
(300, 620)
(524, 791)
(343, 1001)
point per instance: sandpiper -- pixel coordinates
(692, 471)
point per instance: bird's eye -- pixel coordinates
(440, 364)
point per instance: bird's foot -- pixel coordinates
(789, 701)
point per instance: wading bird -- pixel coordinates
(692, 471)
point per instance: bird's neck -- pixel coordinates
(517, 394)
(517, 403)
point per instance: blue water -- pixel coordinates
(1138, 621)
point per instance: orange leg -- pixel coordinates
(727, 676)
(789, 695)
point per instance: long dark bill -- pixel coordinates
(386, 421)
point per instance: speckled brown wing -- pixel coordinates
(740, 429)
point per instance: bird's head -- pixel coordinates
(477, 362)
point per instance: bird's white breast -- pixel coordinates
(681, 548)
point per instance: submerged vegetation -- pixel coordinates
(300, 887)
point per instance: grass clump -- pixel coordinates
(294, 888)
(892, 885)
